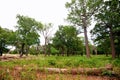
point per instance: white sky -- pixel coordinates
(46, 11)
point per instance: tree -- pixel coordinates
(5, 39)
(58, 41)
(108, 23)
(66, 41)
(101, 39)
(27, 32)
(80, 13)
(46, 32)
(2, 46)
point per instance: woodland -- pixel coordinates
(65, 55)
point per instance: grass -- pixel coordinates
(31, 64)
(63, 61)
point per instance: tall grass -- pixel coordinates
(62, 61)
(31, 64)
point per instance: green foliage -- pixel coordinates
(107, 73)
(33, 51)
(116, 62)
(108, 19)
(78, 9)
(116, 65)
(32, 64)
(27, 32)
(28, 75)
(52, 62)
(46, 31)
(54, 51)
(80, 15)
(66, 40)
(63, 62)
(5, 75)
(60, 61)
(6, 38)
(68, 63)
(14, 52)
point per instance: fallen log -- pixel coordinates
(88, 71)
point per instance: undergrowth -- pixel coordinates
(64, 61)
(31, 65)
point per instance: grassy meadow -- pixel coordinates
(32, 67)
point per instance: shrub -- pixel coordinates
(5, 75)
(52, 62)
(107, 73)
(116, 66)
(68, 63)
(13, 52)
(28, 75)
(54, 51)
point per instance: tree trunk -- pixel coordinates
(37, 49)
(62, 49)
(45, 47)
(84, 21)
(1, 52)
(22, 50)
(85, 35)
(112, 42)
(86, 43)
(27, 50)
(106, 54)
(49, 51)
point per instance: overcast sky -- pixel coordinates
(46, 11)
